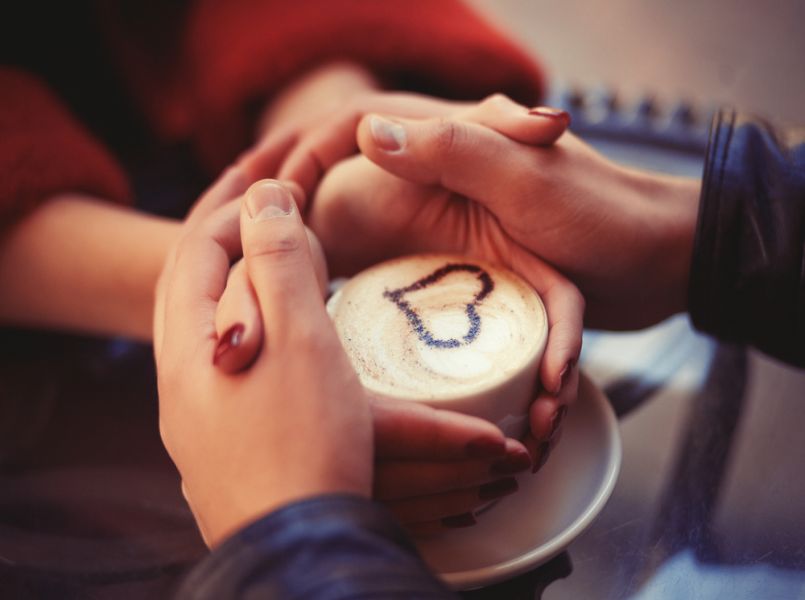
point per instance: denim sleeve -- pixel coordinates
(747, 280)
(328, 547)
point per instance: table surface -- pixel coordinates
(709, 503)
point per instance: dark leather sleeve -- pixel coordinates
(325, 548)
(748, 272)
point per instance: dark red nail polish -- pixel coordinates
(544, 452)
(514, 463)
(485, 447)
(231, 338)
(551, 113)
(462, 520)
(556, 422)
(498, 489)
(564, 375)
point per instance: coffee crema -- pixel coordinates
(432, 327)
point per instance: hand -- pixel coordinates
(311, 125)
(623, 236)
(247, 444)
(430, 465)
(363, 215)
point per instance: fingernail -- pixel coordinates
(267, 200)
(462, 520)
(564, 375)
(485, 447)
(514, 463)
(498, 489)
(388, 135)
(544, 453)
(231, 338)
(556, 422)
(551, 113)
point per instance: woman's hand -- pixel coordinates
(623, 236)
(246, 444)
(311, 126)
(430, 465)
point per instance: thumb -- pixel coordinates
(278, 262)
(463, 157)
(238, 319)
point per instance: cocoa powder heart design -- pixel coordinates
(415, 321)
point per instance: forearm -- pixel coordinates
(80, 264)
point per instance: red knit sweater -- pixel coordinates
(224, 58)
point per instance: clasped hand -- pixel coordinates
(431, 467)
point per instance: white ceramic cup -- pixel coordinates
(451, 332)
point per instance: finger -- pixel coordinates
(279, 263)
(264, 159)
(564, 306)
(397, 479)
(317, 152)
(466, 158)
(538, 126)
(307, 162)
(319, 262)
(545, 416)
(439, 506)
(230, 185)
(539, 450)
(411, 431)
(198, 278)
(237, 319)
(237, 323)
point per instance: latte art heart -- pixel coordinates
(423, 332)
(432, 327)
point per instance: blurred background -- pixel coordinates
(744, 52)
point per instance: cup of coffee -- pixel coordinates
(451, 332)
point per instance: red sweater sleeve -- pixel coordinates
(237, 53)
(43, 151)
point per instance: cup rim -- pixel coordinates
(537, 355)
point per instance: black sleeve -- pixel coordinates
(748, 272)
(329, 547)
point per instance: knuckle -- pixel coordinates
(448, 136)
(280, 246)
(497, 101)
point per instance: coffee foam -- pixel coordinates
(432, 327)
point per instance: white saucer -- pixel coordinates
(551, 509)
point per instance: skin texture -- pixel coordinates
(429, 464)
(237, 440)
(430, 491)
(623, 236)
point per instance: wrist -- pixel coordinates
(674, 205)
